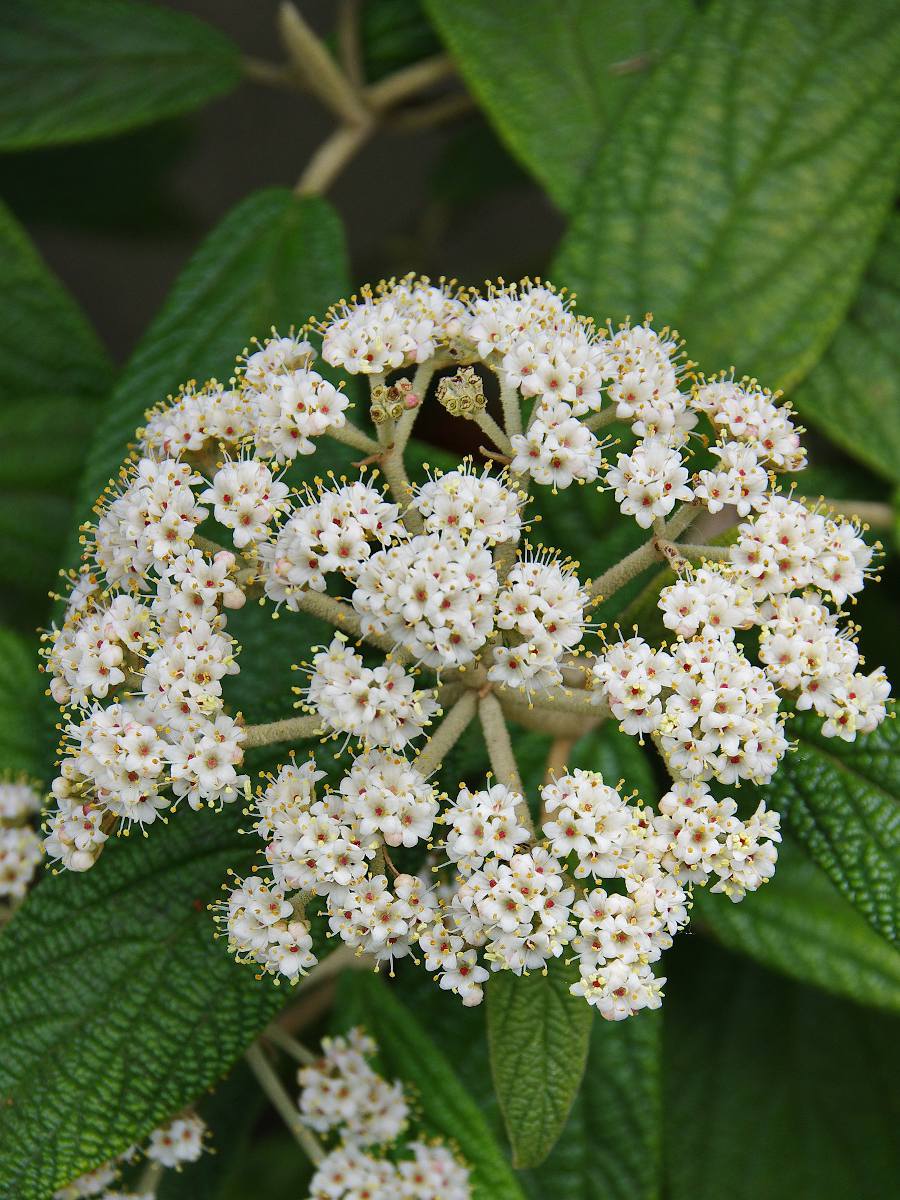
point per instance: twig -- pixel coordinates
(318, 68)
(331, 158)
(425, 116)
(292, 729)
(277, 1036)
(500, 752)
(558, 757)
(275, 1090)
(348, 40)
(408, 81)
(447, 734)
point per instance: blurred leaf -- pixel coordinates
(53, 371)
(538, 1035)
(447, 1110)
(554, 75)
(275, 1158)
(273, 260)
(394, 34)
(774, 1090)
(230, 1114)
(800, 924)
(741, 194)
(119, 185)
(20, 688)
(840, 799)
(472, 164)
(46, 345)
(853, 394)
(610, 1148)
(77, 69)
(139, 1008)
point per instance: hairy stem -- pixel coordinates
(408, 81)
(639, 560)
(350, 435)
(500, 752)
(558, 756)
(447, 734)
(599, 420)
(488, 425)
(870, 512)
(512, 409)
(318, 67)
(292, 729)
(696, 554)
(286, 1108)
(278, 1037)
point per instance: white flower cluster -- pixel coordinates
(178, 1142)
(442, 609)
(20, 844)
(341, 1094)
(378, 705)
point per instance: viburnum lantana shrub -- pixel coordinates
(444, 612)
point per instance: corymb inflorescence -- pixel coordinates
(446, 610)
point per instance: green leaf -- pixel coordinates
(741, 194)
(538, 1035)
(145, 1009)
(554, 75)
(801, 925)
(774, 1090)
(273, 260)
(230, 1114)
(447, 1110)
(77, 69)
(20, 688)
(119, 1008)
(853, 393)
(840, 799)
(53, 372)
(611, 1146)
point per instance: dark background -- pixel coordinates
(170, 184)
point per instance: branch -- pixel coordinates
(350, 435)
(599, 420)
(318, 68)
(406, 82)
(500, 751)
(639, 560)
(275, 1090)
(292, 729)
(448, 733)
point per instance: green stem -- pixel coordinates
(292, 729)
(500, 752)
(447, 734)
(286, 1108)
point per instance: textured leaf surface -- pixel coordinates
(853, 393)
(842, 800)
(274, 260)
(77, 69)
(743, 190)
(119, 1008)
(447, 1109)
(611, 1145)
(568, 66)
(775, 1090)
(140, 1010)
(538, 1037)
(53, 372)
(20, 688)
(800, 924)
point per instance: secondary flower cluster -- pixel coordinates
(20, 844)
(442, 612)
(342, 1095)
(178, 1142)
